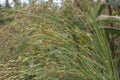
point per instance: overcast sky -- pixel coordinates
(10, 1)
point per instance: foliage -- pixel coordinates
(47, 42)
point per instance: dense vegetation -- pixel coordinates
(74, 40)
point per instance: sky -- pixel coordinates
(12, 4)
(10, 1)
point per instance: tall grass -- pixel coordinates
(58, 44)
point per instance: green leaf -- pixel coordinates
(112, 30)
(107, 18)
(100, 9)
